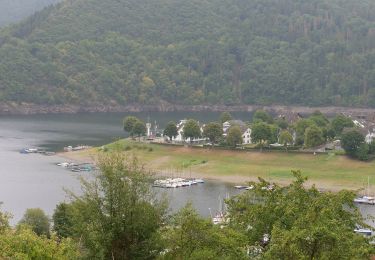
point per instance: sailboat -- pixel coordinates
(367, 199)
(221, 216)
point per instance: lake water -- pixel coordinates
(30, 181)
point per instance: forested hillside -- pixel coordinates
(311, 52)
(15, 10)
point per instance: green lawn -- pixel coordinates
(327, 171)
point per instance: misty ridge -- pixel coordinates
(15, 10)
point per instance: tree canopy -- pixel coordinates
(191, 129)
(299, 222)
(351, 141)
(37, 220)
(261, 133)
(340, 122)
(262, 116)
(234, 136)
(225, 116)
(213, 131)
(118, 216)
(313, 136)
(317, 52)
(285, 138)
(171, 130)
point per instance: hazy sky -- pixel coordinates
(15, 10)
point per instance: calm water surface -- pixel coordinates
(28, 181)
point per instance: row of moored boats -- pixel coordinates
(36, 150)
(76, 167)
(176, 182)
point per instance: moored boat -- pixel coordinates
(176, 182)
(363, 231)
(366, 199)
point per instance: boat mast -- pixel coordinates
(368, 186)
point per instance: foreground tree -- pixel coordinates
(234, 136)
(62, 220)
(37, 220)
(213, 131)
(225, 116)
(351, 141)
(118, 216)
(299, 222)
(23, 243)
(192, 237)
(192, 130)
(170, 130)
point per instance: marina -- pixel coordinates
(176, 182)
(77, 167)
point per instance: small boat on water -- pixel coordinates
(239, 187)
(47, 153)
(29, 150)
(363, 231)
(67, 164)
(366, 199)
(222, 216)
(76, 148)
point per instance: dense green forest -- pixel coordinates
(310, 52)
(16, 10)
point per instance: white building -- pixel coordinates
(370, 137)
(366, 128)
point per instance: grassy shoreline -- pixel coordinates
(326, 171)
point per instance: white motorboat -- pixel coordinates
(366, 199)
(363, 231)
